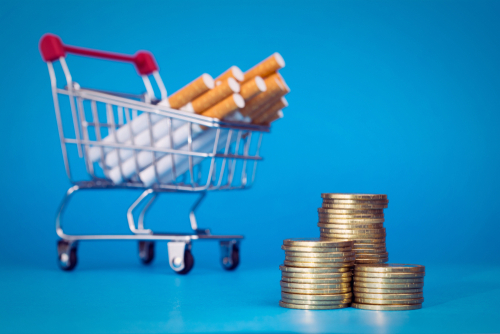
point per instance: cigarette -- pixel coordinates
(274, 89)
(214, 96)
(253, 87)
(233, 72)
(225, 107)
(266, 67)
(275, 117)
(191, 91)
(270, 111)
(283, 82)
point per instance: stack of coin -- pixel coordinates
(388, 287)
(356, 217)
(316, 274)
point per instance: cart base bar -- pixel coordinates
(153, 237)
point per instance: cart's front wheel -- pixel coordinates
(230, 256)
(66, 259)
(188, 263)
(146, 251)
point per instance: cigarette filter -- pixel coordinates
(266, 67)
(191, 91)
(270, 111)
(233, 72)
(253, 87)
(274, 88)
(225, 107)
(213, 96)
(274, 117)
(283, 82)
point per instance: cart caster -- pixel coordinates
(66, 255)
(230, 254)
(146, 251)
(180, 258)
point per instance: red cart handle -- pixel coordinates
(52, 48)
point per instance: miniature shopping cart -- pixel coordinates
(86, 117)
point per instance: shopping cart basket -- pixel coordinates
(226, 161)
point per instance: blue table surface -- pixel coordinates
(129, 298)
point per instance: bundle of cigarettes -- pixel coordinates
(256, 96)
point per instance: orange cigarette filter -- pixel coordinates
(283, 82)
(213, 96)
(233, 72)
(266, 67)
(191, 91)
(225, 107)
(270, 111)
(274, 88)
(277, 115)
(253, 87)
(263, 107)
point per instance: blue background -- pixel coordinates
(390, 97)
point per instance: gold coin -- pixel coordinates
(389, 275)
(316, 280)
(372, 261)
(316, 302)
(388, 286)
(312, 307)
(328, 218)
(389, 296)
(389, 301)
(390, 267)
(386, 307)
(369, 197)
(371, 256)
(357, 242)
(362, 246)
(315, 291)
(327, 205)
(351, 237)
(315, 242)
(316, 276)
(389, 280)
(347, 221)
(320, 255)
(355, 201)
(311, 286)
(320, 259)
(362, 232)
(348, 216)
(370, 251)
(351, 226)
(288, 269)
(325, 297)
(373, 290)
(316, 249)
(351, 212)
(319, 264)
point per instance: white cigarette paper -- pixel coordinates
(145, 158)
(203, 143)
(137, 125)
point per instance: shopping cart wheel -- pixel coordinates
(230, 255)
(66, 255)
(188, 263)
(146, 251)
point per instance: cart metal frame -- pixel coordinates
(104, 107)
